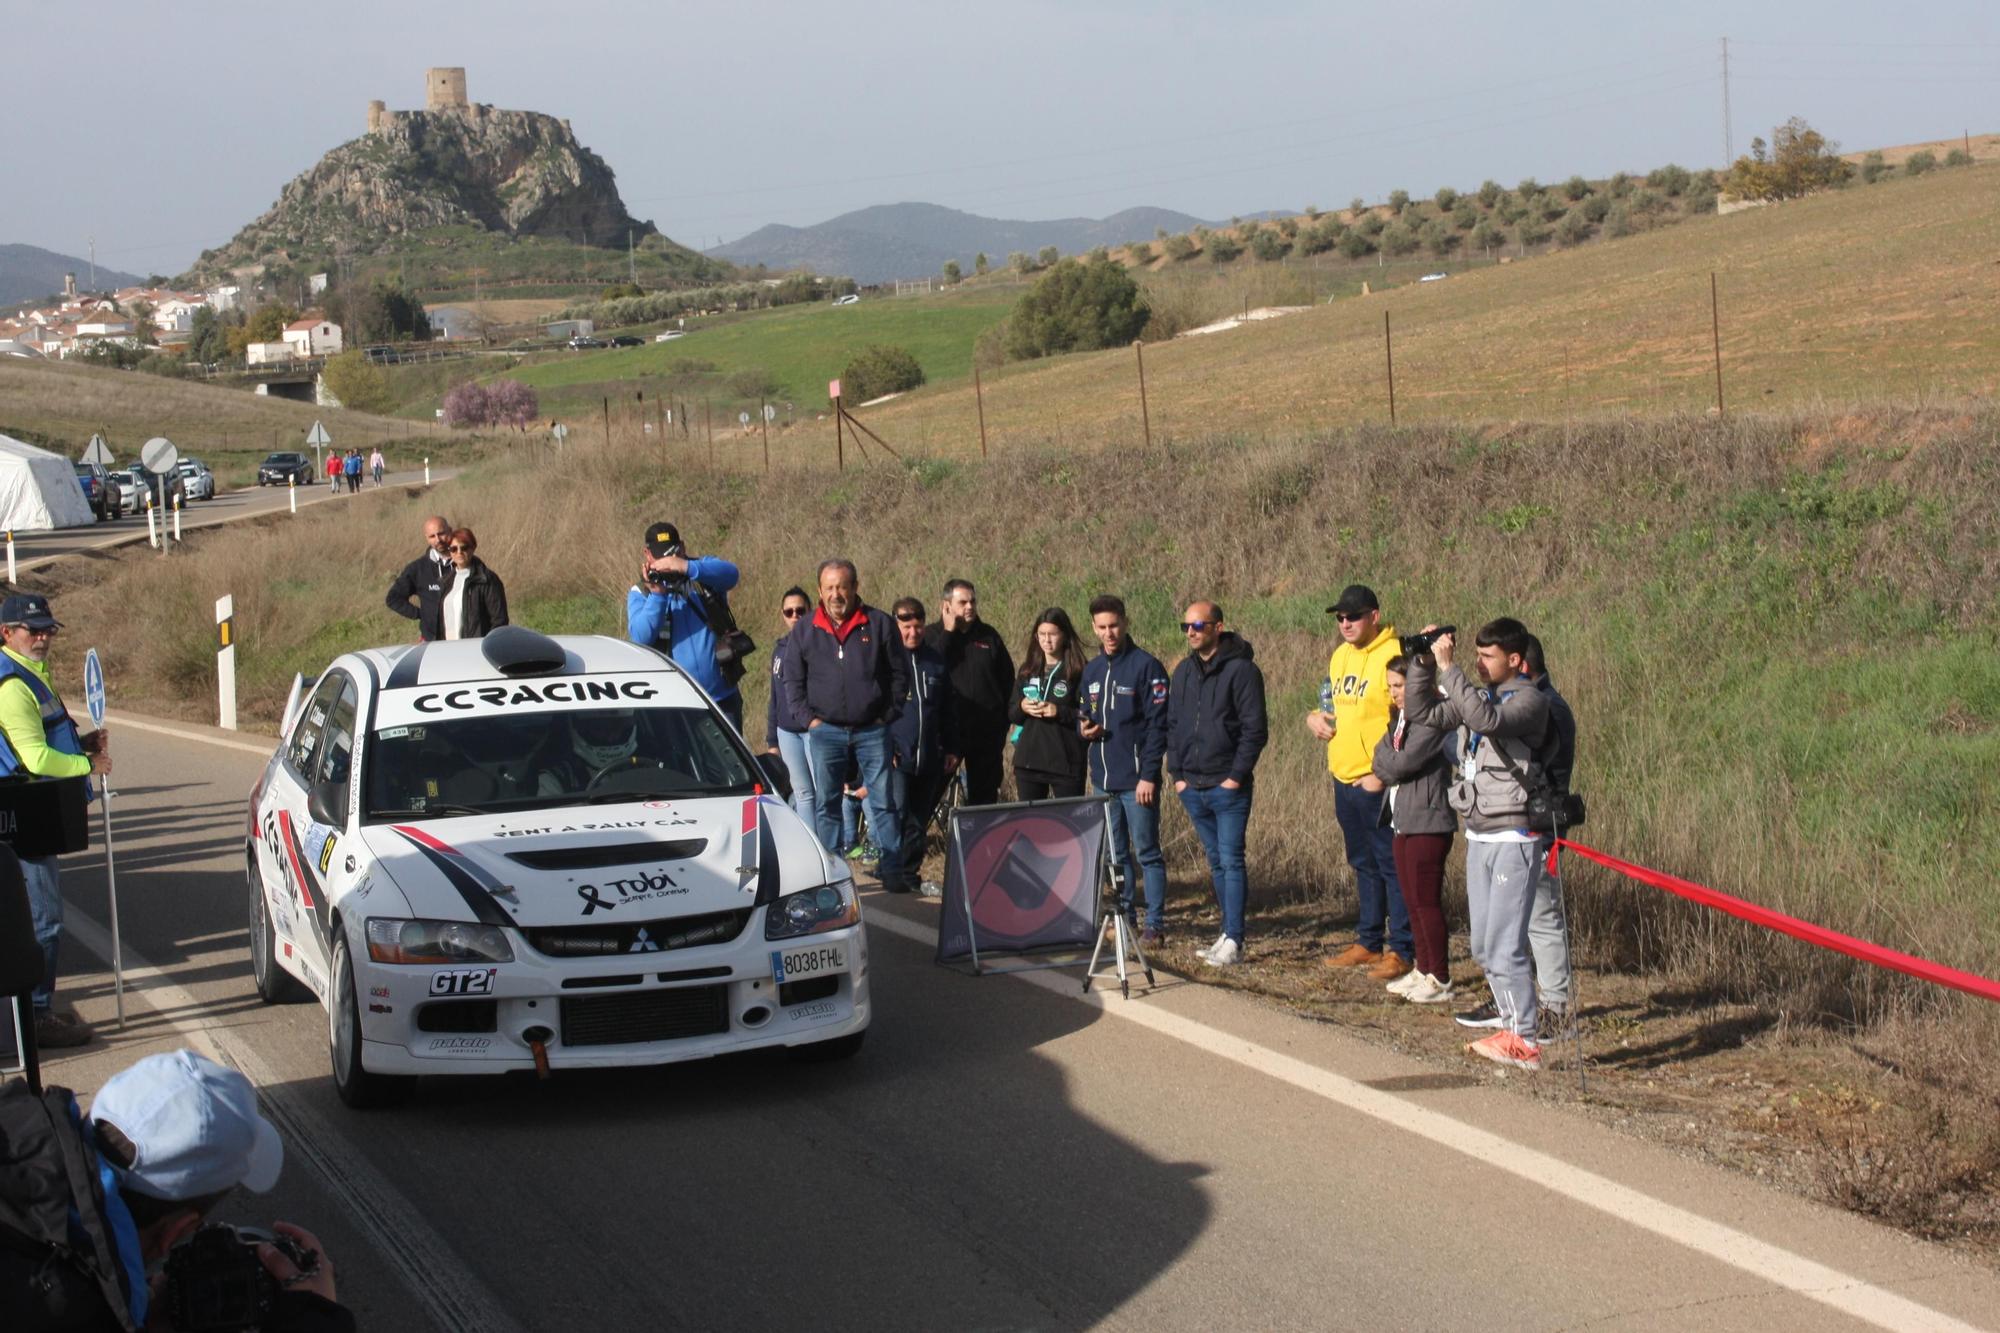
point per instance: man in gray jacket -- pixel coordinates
(1504, 732)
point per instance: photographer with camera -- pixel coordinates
(166, 1141)
(681, 606)
(1504, 738)
(1548, 927)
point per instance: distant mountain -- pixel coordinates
(28, 271)
(914, 240)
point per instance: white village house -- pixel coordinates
(269, 354)
(313, 337)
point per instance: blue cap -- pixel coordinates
(30, 609)
(194, 1127)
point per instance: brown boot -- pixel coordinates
(1353, 956)
(1393, 965)
(56, 1030)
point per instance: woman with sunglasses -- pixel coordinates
(784, 730)
(1048, 750)
(476, 602)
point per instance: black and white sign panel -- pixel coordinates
(1021, 878)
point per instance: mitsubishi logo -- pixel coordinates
(644, 943)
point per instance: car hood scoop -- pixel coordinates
(597, 856)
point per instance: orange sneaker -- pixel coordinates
(1353, 956)
(1393, 965)
(1505, 1048)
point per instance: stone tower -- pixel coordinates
(444, 89)
(377, 109)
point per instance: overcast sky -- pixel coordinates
(160, 129)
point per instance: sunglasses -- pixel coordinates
(1195, 626)
(1346, 619)
(792, 612)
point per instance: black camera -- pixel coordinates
(216, 1281)
(1413, 644)
(669, 581)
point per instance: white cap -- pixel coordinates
(194, 1127)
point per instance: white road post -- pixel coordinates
(10, 556)
(225, 661)
(427, 472)
(292, 485)
(177, 518)
(152, 529)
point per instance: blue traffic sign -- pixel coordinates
(93, 687)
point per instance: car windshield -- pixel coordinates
(490, 764)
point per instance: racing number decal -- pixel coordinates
(464, 981)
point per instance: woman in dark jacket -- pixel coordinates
(1413, 763)
(1048, 751)
(476, 602)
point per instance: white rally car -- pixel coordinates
(523, 852)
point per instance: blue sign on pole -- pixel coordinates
(93, 687)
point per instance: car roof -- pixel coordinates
(406, 672)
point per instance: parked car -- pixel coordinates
(627, 340)
(197, 478)
(142, 488)
(99, 492)
(669, 335)
(849, 299)
(282, 469)
(382, 355)
(582, 341)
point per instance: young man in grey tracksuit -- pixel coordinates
(1509, 714)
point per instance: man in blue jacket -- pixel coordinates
(846, 673)
(1124, 698)
(1216, 728)
(665, 610)
(924, 737)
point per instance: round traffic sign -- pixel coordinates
(93, 687)
(743, 418)
(159, 455)
(770, 412)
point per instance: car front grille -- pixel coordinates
(655, 1015)
(638, 937)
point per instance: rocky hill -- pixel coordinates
(509, 173)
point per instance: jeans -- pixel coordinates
(45, 908)
(792, 749)
(850, 823)
(833, 753)
(1220, 816)
(1371, 851)
(1134, 831)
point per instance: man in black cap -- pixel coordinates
(38, 739)
(681, 606)
(427, 578)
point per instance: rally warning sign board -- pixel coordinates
(1022, 878)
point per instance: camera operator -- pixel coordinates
(166, 1141)
(1548, 927)
(681, 606)
(1504, 732)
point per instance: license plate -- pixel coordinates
(817, 960)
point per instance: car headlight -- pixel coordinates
(828, 907)
(400, 940)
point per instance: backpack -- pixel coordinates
(59, 1263)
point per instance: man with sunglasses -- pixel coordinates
(785, 730)
(427, 578)
(1216, 729)
(1353, 715)
(38, 739)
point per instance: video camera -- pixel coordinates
(1414, 644)
(215, 1281)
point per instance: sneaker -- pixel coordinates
(1392, 966)
(1401, 985)
(1226, 953)
(55, 1030)
(867, 854)
(1203, 954)
(1555, 1023)
(1354, 955)
(930, 888)
(1428, 990)
(1483, 1016)
(1504, 1048)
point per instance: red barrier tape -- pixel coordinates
(1920, 968)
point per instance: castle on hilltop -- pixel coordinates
(444, 90)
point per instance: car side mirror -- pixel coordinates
(325, 802)
(775, 772)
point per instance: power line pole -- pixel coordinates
(93, 263)
(1728, 131)
(631, 260)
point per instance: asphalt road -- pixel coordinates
(39, 548)
(1002, 1154)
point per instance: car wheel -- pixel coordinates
(274, 984)
(824, 1052)
(356, 1086)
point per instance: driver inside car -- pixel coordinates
(598, 743)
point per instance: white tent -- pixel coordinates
(38, 489)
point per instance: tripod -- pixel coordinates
(1125, 946)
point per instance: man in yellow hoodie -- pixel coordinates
(1353, 714)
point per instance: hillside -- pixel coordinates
(914, 240)
(28, 272)
(1882, 293)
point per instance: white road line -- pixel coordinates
(124, 720)
(1794, 1272)
(451, 1297)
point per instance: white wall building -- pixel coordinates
(268, 354)
(314, 337)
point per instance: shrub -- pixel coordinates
(1491, 192)
(1312, 212)
(512, 403)
(1618, 222)
(952, 273)
(1487, 235)
(1371, 225)
(1671, 180)
(1699, 202)
(466, 405)
(1076, 308)
(1551, 205)
(1357, 206)
(1398, 201)
(1141, 252)
(1532, 231)
(1223, 246)
(1178, 248)
(1958, 157)
(1439, 237)
(980, 263)
(1916, 164)
(879, 370)
(1269, 245)
(1798, 161)
(1020, 263)
(1619, 185)
(1465, 217)
(1511, 210)
(1873, 168)
(1398, 239)
(1288, 228)
(1574, 229)
(357, 383)
(621, 290)
(1648, 202)
(1576, 188)
(1447, 198)
(1528, 188)
(1595, 207)
(1356, 244)
(1320, 237)
(1048, 256)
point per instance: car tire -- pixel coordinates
(825, 1052)
(357, 1087)
(274, 984)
